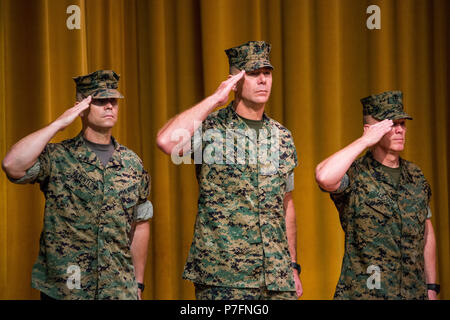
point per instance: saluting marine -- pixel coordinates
(96, 208)
(383, 203)
(244, 245)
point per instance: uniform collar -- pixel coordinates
(236, 123)
(81, 151)
(379, 174)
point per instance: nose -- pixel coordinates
(261, 77)
(398, 128)
(108, 105)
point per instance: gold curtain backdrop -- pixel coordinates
(170, 55)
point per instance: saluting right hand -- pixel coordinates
(223, 91)
(373, 133)
(71, 114)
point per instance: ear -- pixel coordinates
(238, 85)
(366, 127)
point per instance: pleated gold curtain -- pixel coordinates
(170, 55)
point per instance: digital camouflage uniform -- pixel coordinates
(250, 56)
(89, 210)
(386, 105)
(204, 292)
(240, 236)
(100, 84)
(384, 222)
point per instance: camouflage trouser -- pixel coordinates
(205, 292)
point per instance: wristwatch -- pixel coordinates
(296, 266)
(434, 287)
(141, 286)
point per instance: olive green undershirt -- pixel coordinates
(394, 173)
(253, 124)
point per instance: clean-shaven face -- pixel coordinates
(395, 139)
(255, 87)
(102, 113)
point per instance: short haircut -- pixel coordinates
(368, 119)
(79, 96)
(233, 70)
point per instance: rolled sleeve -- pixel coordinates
(290, 182)
(143, 211)
(40, 170)
(429, 215)
(30, 176)
(345, 182)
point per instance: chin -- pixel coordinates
(104, 126)
(108, 124)
(398, 148)
(260, 100)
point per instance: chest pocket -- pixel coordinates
(269, 168)
(415, 216)
(375, 216)
(78, 184)
(414, 205)
(422, 212)
(76, 195)
(274, 176)
(225, 179)
(382, 206)
(80, 191)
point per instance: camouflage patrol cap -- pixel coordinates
(386, 105)
(100, 84)
(250, 56)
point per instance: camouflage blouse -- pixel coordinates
(384, 225)
(240, 232)
(89, 209)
